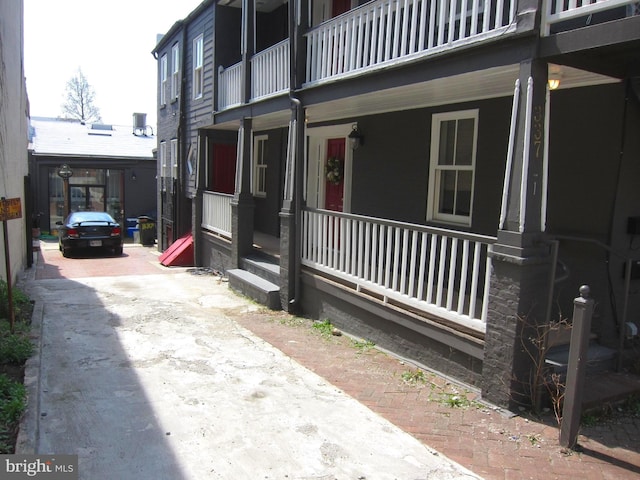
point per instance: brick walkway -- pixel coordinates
(442, 414)
(447, 417)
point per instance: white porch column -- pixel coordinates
(242, 205)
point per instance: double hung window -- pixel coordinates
(452, 166)
(163, 165)
(175, 71)
(260, 166)
(163, 79)
(198, 71)
(174, 158)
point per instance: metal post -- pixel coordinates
(625, 310)
(572, 409)
(7, 262)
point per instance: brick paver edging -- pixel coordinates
(448, 417)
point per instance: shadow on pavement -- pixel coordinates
(84, 395)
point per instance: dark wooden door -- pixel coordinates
(222, 172)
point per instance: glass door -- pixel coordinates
(84, 198)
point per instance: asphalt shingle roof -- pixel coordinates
(54, 136)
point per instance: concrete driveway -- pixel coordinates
(143, 373)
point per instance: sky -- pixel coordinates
(111, 41)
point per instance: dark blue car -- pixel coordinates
(83, 230)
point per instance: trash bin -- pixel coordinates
(147, 228)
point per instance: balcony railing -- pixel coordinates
(440, 272)
(230, 82)
(382, 32)
(556, 11)
(269, 76)
(270, 71)
(216, 212)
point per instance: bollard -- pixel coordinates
(576, 369)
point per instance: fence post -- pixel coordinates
(572, 409)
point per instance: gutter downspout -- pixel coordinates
(297, 114)
(182, 134)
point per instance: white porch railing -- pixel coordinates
(385, 31)
(555, 11)
(441, 272)
(230, 81)
(216, 212)
(270, 71)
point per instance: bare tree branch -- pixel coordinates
(80, 98)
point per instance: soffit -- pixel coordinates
(261, 5)
(488, 83)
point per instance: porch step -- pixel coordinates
(599, 358)
(263, 266)
(255, 287)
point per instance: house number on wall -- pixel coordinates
(538, 117)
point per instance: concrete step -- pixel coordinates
(255, 287)
(263, 266)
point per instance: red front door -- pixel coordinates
(222, 172)
(334, 175)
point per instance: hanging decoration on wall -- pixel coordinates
(334, 170)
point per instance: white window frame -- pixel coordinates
(163, 165)
(175, 71)
(163, 79)
(174, 158)
(198, 66)
(314, 190)
(436, 170)
(259, 166)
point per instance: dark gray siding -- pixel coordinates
(594, 175)
(167, 129)
(271, 27)
(198, 111)
(391, 170)
(267, 209)
(228, 36)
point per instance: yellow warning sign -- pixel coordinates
(10, 208)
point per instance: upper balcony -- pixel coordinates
(269, 76)
(384, 33)
(378, 34)
(564, 14)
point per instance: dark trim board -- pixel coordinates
(433, 345)
(214, 252)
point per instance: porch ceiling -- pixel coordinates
(260, 5)
(278, 119)
(489, 83)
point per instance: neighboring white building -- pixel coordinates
(13, 132)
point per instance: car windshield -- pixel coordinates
(83, 217)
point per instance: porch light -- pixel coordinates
(555, 75)
(65, 172)
(355, 137)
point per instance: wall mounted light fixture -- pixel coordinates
(555, 75)
(133, 176)
(356, 139)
